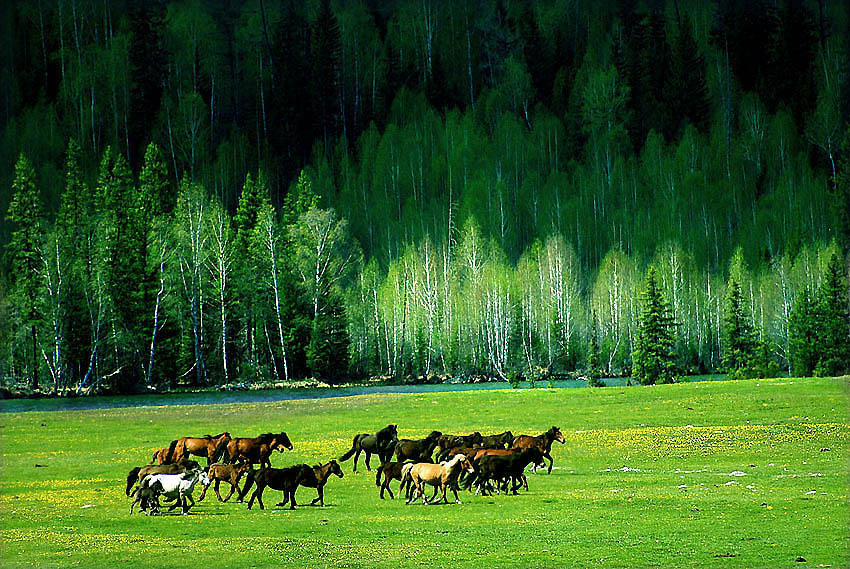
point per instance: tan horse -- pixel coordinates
(441, 475)
(207, 446)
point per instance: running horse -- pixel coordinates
(441, 476)
(381, 443)
(207, 446)
(543, 442)
(256, 450)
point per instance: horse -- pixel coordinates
(207, 446)
(148, 500)
(391, 471)
(159, 456)
(502, 440)
(502, 467)
(543, 442)
(418, 451)
(176, 486)
(230, 473)
(476, 455)
(284, 479)
(438, 475)
(139, 472)
(321, 474)
(257, 450)
(447, 442)
(381, 443)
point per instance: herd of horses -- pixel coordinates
(489, 463)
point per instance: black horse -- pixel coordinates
(447, 442)
(418, 451)
(283, 479)
(381, 443)
(502, 440)
(321, 473)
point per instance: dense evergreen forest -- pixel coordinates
(234, 191)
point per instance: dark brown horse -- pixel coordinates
(159, 456)
(447, 442)
(283, 479)
(207, 446)
(502, 440)
(543, 442)
(140, 472)
(506, 468)
(381, 443)
(390, 471)
(321, 474)
(256, 450)
(417, 451)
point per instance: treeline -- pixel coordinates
(130, 287)
(568, 145)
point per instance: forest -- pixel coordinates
(230, 192)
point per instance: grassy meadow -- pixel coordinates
(714, 474)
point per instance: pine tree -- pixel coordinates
(325, 43)
(803, 335)
(654, 356)
(327, 352)
(739, 357)
(27, 216)
(688, 95)
(833, 321)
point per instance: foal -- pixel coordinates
(321, 474)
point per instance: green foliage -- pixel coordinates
(803, 335)
(327, 352)
(833, 322)
(654, 356)
(740, 338)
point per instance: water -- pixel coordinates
(216, 397)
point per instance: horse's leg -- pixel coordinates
(292, 498)
(368, 456)
(321, 497)
(247, 487)
(233, 485)
(551, 462)
(356, 456)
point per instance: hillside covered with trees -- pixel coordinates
(235, 191)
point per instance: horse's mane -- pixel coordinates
(210, 437)
(266, 437)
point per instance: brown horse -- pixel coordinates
(159, 456)
(390, 471)
(257, 450)
(543, 442)
(140, 472)
(447, 442)
(230, 473)
(441, 475)
(502, 440)
(321, 474)
(206, 446)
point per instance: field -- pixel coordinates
(714, 474)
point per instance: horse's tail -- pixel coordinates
(219, 450)
(170, 454)
(350, 453)
(132, 477)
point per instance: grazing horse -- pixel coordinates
(140, 472)
(447, 442)
(543, 442)
(321, 474)
(284, 479)
(207, 446)
(256, 450)
(502, 440)
(440, 476)
(176, 486)
(230, 473)
(391, 471)
(381, 443)
(418, 451)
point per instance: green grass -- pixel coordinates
(644, 480)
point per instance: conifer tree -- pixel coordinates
(803, 335)
(739, 357)
(327, 352)
(27, 216)
(832, 320)
(654, 356)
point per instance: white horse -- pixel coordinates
(177, 486)
(442, 476)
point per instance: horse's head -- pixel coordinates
(556, 435)
(464, 463)
(476, 438)
(434, 435)
(281, 441)
(335, 468)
